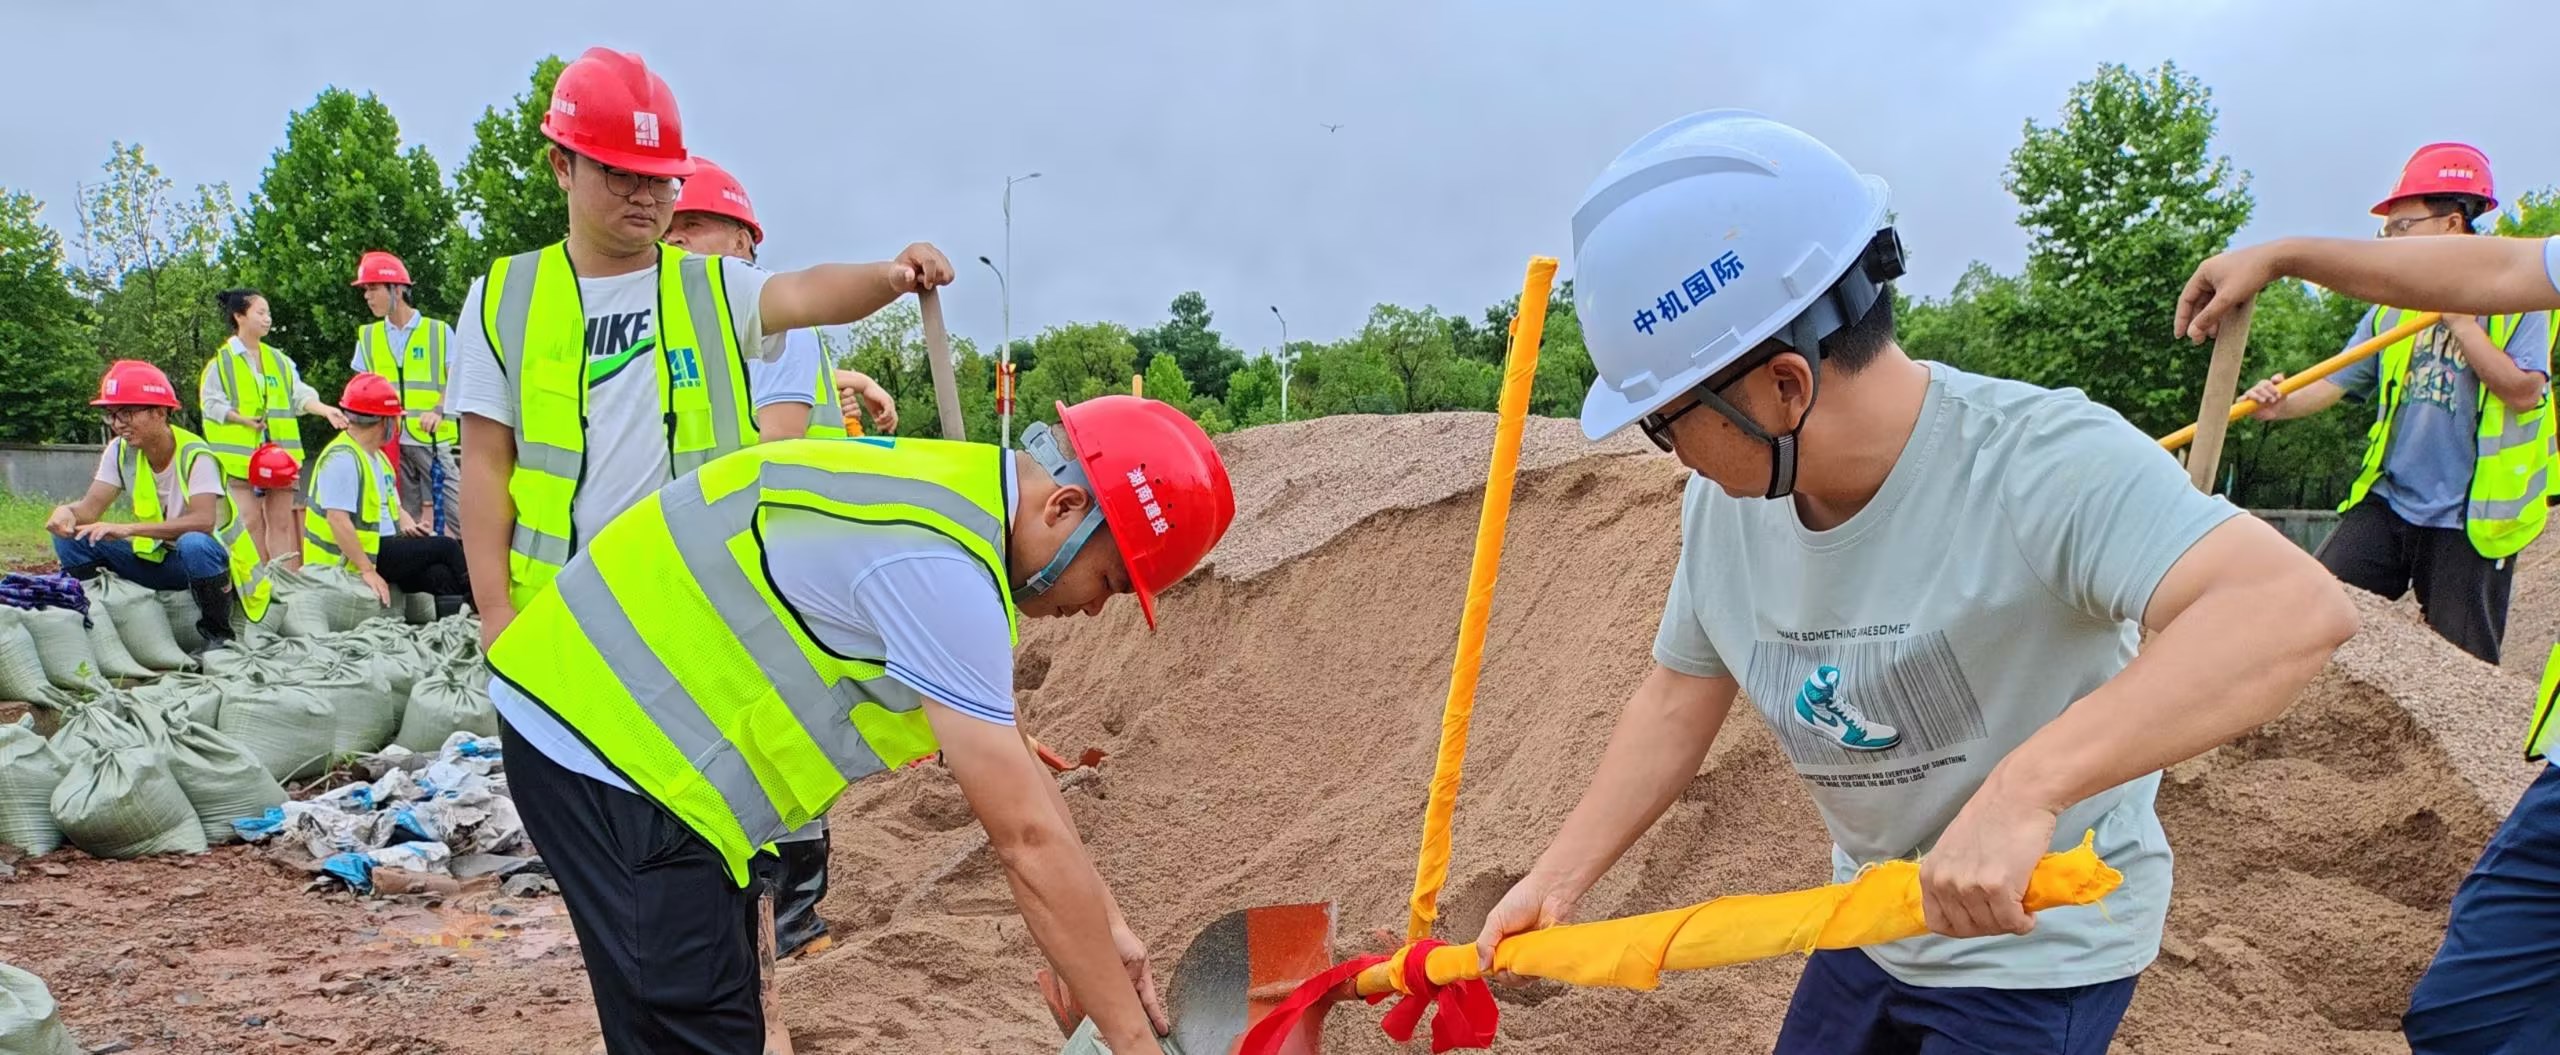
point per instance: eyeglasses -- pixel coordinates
(1657, 426)
(119, 415)
(626, 184)
(2401, 226)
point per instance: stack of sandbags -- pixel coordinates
(22, 674)
(198, 697)
(223, 782)
(450, 699)
(62, 646)
(289, 729)
(114, 659)
(142, 623)
(28, 1022)
(118, 798)
(29, 771)
(368, 712)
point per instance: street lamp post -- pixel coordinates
(1004, 355)
(1284, 358)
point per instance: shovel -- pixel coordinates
(1240, 966)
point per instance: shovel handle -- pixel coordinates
(937, 353)
(2408, 327)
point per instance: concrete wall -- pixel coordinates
(56, 471)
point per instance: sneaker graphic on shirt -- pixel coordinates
(1818, 708)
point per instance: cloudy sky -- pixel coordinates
(1182, 143)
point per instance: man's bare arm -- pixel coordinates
(2453, 274)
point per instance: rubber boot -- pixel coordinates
(449, 605)
(213, 604)
(801, 885)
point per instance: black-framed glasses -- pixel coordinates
(1657, 425)
(120, 415)
(625, 183)
(2401, 226)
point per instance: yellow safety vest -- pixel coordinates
(2510, 476)
(667, 647)
(248, 577)
(253, 393)
(319, 544)
(536, 323)
(419, 370)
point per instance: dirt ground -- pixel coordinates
(1271, 744)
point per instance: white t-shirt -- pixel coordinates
(338, 487)
(2551, 259)
(902, 593)
(789, 375)
(204, 479)
(627, 457)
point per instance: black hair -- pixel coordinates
(1853, 347)
(234, 303)
(2467, 206)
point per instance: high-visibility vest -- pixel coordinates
(534, 320)
(826, 415)
(319, 543)
(419, 369)
(2511, 470)
(248, 577)
(666, 646)
(254, 393)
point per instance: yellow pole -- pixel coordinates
(2326, 367)
(1138, 385)
(1519, 370)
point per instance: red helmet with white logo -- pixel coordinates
(370, 393)
(134, 383)
(1158, 482)
(379, 268)
(2444, 168)
(608, 106)
(272, 468)
(713, 190)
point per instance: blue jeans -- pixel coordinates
(197, 556)
(1846, 1005)
(2491, 988)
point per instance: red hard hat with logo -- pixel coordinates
(379, 268)
(1159, 483)
(713, 190)
(370, 393)
(271, 468)
(2444, 168)
(134, 383)
(608, 106)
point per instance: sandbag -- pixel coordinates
(388, 648)
(447, 700)
(29, 771)
(276, 659)
(222, 780)
(22, 674)
(142, 622)
(122, 802)
(114, 660)
(98, 725)
(196, 697)
(420, 608)
(368, 713)
(62, 645)
(289, 729)
(180, 607)
(29, 1025)
(340, 597)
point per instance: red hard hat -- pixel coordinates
(2444, 168)
(272, 468)
(608, 106)
(134, 383)
(1159, 484)
(713, 190)
(380, 268)
(370, 393)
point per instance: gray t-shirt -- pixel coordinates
(2426, 472)
(1997, 577)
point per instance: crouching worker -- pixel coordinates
(719, 662)
(179, 507)
(355, 518)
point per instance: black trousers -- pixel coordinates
(424, 564)
(669, 941)
(2463, 594)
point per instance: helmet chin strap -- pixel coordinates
(1042, 444)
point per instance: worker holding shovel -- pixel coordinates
(2447, 495)
(1931, 583)
(413, 352)
(2488, 991)
(724, 658)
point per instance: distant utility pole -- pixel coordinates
(1004, 359)
(1284, 358)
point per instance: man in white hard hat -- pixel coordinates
(1931, 583)
(2489, 988)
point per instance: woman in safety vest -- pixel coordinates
(355, 516)
(253, 396)
(719, 663)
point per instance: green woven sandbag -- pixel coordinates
(105, 723)
(29, 1024)
(62, 646)
(447, 700)
(21, 668)
(272, 658)
(122, 802)
(222, 780)
(142, 622)
(29, 771)
(368, 712)
(114, 660)
(288, 728)
(389, 649)
(341, 597)
(196, 697)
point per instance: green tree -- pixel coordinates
(2536, 214)
(2305, 462)
(47, 368)
(339, 187)
(147, 265)
(1077, 362)
(2121, 199)
(1204, 357)
(503, 189)
(890, 347)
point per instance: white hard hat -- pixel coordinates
(1708, 236)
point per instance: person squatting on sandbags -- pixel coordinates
(354, 520)
(187, 531)
(411, 351)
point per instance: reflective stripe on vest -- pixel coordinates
(253, 393)
(826, 415)
(2512, 456)
(319, 543)
(2544, 732)
(419, 371)
(537, 324)
(717, 703)
(248, 577)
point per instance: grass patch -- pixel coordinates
(22, 537)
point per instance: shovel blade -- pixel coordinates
(1239, 967)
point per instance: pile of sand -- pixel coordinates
(1271, 744)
